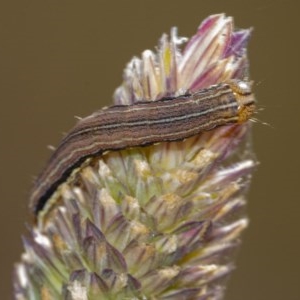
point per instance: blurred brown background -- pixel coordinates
(59, 59)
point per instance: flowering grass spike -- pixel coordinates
(155, 222)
